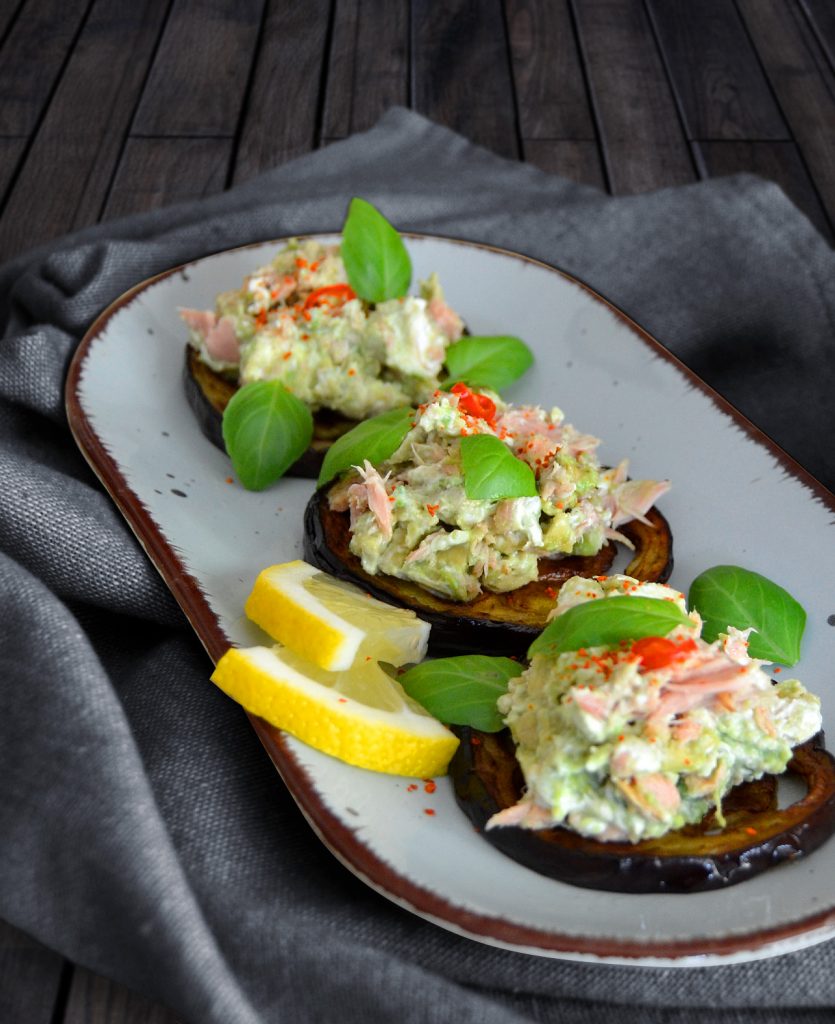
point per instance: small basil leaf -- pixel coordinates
(494, 361)
(492, 471)
(374, 255)
(265, 429)
(375, 439)
(462, 691)
(727, 595)
(607, 621)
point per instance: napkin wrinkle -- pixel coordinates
(182, 866)
(128, 860)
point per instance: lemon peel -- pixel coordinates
(331, 623)
(361, 716)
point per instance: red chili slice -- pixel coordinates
(658, 651)
(474, 404)
(330, 295)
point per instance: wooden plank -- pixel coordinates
(779, 162)
(32, 58)
(643, 142)
(547, 72)
(64, 181)
(157, 172)
(281, 123)
(804, 85)
(95, 1000)
(30, 978)
(198, 81)
(368, 68)
(579, 161)
(461, 71)
(719, 83)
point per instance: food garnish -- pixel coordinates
(331, 623)
(361, 715)
(335, 328)
(729, 595)
(324, 683)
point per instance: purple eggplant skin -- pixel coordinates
(486, 778)
(208, 394)
(498, 624)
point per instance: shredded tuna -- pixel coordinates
(377, 497)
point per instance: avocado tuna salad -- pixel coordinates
(411, 517)
(297, 320)
(630, 741)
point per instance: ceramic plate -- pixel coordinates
(735, 498)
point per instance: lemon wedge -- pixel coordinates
(362, 716)
(331, 623)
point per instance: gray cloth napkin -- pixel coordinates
(143, 831)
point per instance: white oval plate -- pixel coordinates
(736, 498)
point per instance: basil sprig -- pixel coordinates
(607, 621)
(265, 429)
(491, 470)
(462, 691)
(375, 439)
(488, 361)
(728, 595)
(375, 258)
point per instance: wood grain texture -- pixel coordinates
(368, 70)
(199, 77)
(550, 89)
(31, 60)
(643, 143)
(579, 161)
(282, 109)
(777, 161)
(64, 181)
(803, 82)
(30, 978)
(461, 71)
(156, 172)
(95, 1000)
(718, 80)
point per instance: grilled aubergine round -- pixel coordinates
(501, 624)
(757, 834)
(208, 393)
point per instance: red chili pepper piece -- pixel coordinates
(474, 404)
(659, 652)
(330, 295)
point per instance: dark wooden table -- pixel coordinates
(111, 107)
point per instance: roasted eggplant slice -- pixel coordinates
(208, 393)
(501, 624)
(758, 835)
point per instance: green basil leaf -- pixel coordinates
(607, 621)
(374, 255)
(492, 471)
(375, 439)
(489, 361)
(462, 691)
(727, 595)
(265, 429)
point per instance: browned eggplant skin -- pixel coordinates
(487, 778)
(500, 624)
(208, 393)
